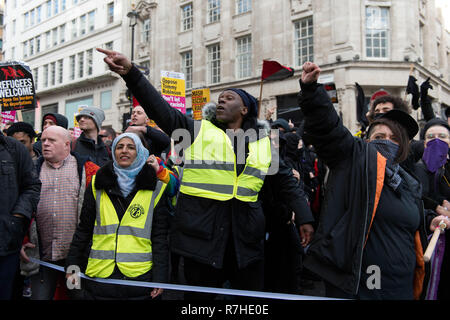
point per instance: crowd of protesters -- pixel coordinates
(244, 203)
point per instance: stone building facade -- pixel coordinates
(222, 43)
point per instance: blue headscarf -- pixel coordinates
(126, 177)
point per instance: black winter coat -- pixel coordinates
(337, 248)
(201, 226)
(20, 191)
(435, 188)
(78, 255)
(97, 152)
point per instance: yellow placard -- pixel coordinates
(199, 98)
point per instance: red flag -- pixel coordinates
(272, 70)
(135, 102)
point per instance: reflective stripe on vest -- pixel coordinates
(210, 167)
(127, 243)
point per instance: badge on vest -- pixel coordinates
(136, 210)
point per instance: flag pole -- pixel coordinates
(260, 97)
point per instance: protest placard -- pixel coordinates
(199, 98)
(16, 87)
(173, 89)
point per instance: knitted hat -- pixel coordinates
(21, 127)
(57, 118)
(378, 94)
(51, 117)
(249, 101)
(97, 114)
(280, 122)
(431, 123)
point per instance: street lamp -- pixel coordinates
(133, 15)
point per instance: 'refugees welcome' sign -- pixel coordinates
(17, 90)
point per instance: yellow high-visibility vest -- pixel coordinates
(127, 243)
(210, 167)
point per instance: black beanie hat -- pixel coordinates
(431, 123)
(249, 101)
(21, 127)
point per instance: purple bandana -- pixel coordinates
(435, 154)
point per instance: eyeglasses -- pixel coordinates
(430, 136)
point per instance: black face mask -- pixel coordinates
(387, 148)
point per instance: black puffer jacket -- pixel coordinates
(78, 255)
(201, 226)
(19, 195)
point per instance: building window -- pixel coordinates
(377, 32)
(13, 53)
(244, 57)
(26, 20)
(63, 5)
(108, 46)
(304, 41)
(81, 64)
(49, 8)
(213, 63)
(82, 25)
(48, 40)
(38, 14)
(106, 99)
(74, 29)
(13, 31)
(60, 71)
(35, 78)
(91, 21)
(187, 17)
(46, 76)
(421, 39)
(89, 61)
(243, 6)
(110, 13)
(53, 73)
(213, 11)
(145, 36)
(186, 67)
(62, 33)
(55, 36)
(32, 15)
(31, 41)
(55, 7)
(38, 44)
(72, 67)
(25, 49)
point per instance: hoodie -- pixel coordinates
(60, 121)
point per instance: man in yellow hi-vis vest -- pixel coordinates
(219, 224)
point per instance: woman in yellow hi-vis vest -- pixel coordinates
(125, 217)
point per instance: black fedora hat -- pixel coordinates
(401, 117)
